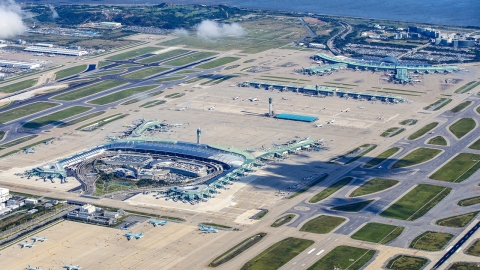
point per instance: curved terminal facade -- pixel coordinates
(230, 163)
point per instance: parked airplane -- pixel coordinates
(155, 223)
(175, 125)
(283, 98)
(39, 239)
(72, 267)
(331, 121)
(182, 109)
(33, 268)
(361, 107)
(347, 110)
(319, 125)
(235, 98)
(207, 229)
(112, 138)
(26, 245)
(253, 99)
(127, 125)
(211, 108)
(133, 235)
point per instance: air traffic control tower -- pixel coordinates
(199, 133)
(270, 104)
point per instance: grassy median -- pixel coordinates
(344, 257)
(217, 62)
(283, 220)
(121, 94)
(458, 169)
(416, 156)
(417, 202)
(457, 221)
(431, 241)
(462, 127)
(438, 140)
(162, 56)
(372, 186)
(55, 117)
(190, 58)
(89, 90)
(14, 87)
(322, 224)
(382, 157)
(378, 233)
(469, 201)
(133, 53)
(330, 190)
(69, 72)
(419, 133)
(144, 73)
(461, 106)
(25, 110)
(278, 254)
(352, 207)
(405, 262)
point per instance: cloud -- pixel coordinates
(180, 32)
(11, 23)
(209, 30)
(54, 12)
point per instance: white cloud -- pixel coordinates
(11, 23)
(209, 30)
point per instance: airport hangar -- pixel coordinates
(235, 162)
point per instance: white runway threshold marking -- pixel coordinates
(320, 252)
(311, 250)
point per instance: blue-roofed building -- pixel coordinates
(296, 117)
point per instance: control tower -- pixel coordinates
(270, 104)
(199, 133)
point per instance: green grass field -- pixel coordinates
(283, 220)
(438, 140)
(458, 169)
(462, 127)
(14, 87)
(392, 132)
(186, 71)
(89, 90)
(278, 254)
(133, 53)
(237, 249)
(330, 190)
(217, 62)
(409, 122)
(81, 119)
(344, 257)
(469, 201)
(70, 71)
(162, 56)
(101, 64)
(352, 207)
(315, 182)
(372, 186)
(416, 203)
(17, 141)
(103, 121)
(431, 241)
(378, 233)
(474, 249)
(322, 224)
(437, 105)
(25, 110)
(461, 106)
(106, 73)
(457, 221)
(121, 94)
(152, 103)
(55, 117)
(475, 145)
(189, 58)
(169, 79)
(419, 133)
(405, 262)
(382, 157)
(464, 266)
(416, 156)
(368, 149)
(144, 73)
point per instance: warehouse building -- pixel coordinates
(56, 51)
(21, 65)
